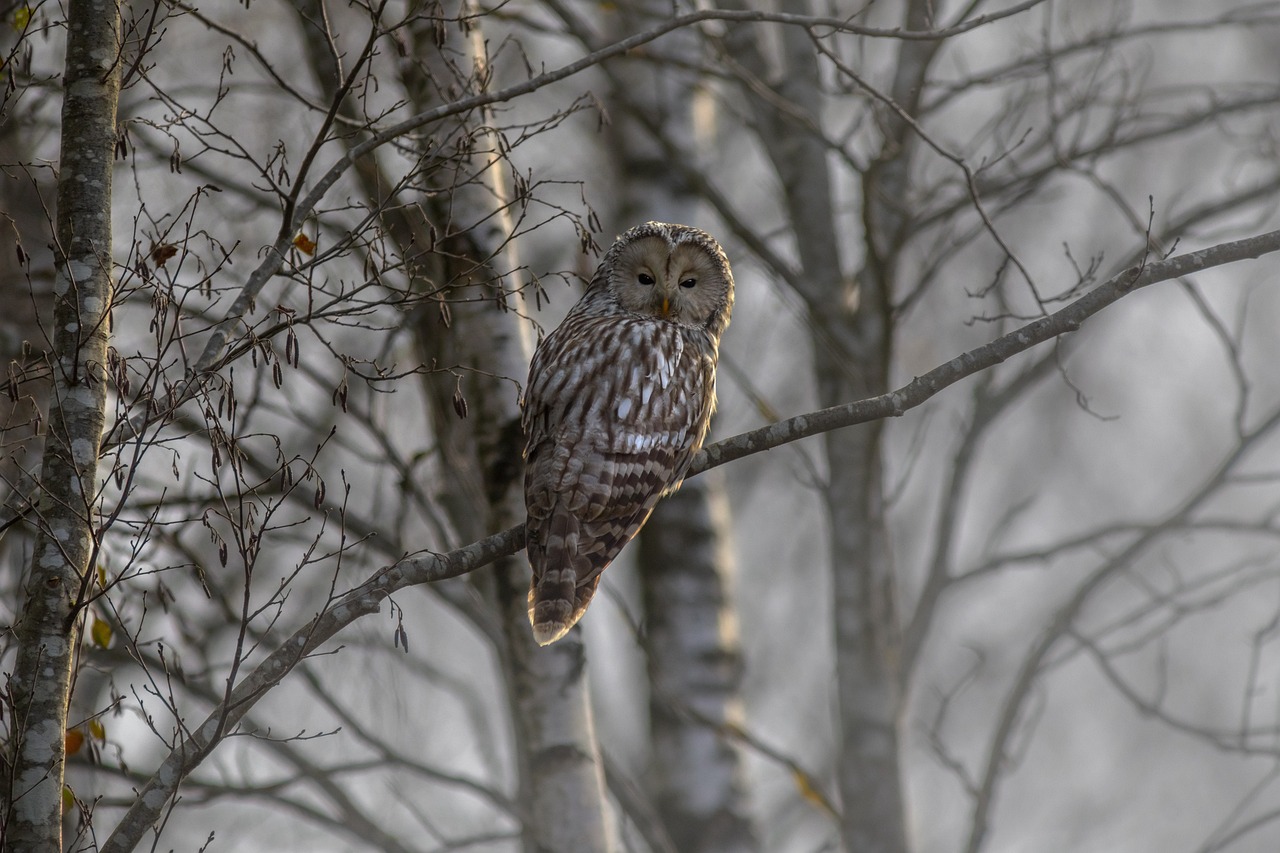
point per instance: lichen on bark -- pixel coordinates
(64, 516)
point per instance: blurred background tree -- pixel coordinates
(1036, 611)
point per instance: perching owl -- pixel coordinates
(618, 402)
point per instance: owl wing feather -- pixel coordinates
(615, 411)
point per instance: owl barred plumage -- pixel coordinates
(618, 401)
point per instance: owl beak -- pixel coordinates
(666, 307)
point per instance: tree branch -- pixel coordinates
(275, 257)
(366, 598)
(898, 402)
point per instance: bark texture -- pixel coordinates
(850, 316)
(684, 554)
(47, 632)
(694, 672)
(479, 344)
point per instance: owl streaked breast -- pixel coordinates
(618, 401)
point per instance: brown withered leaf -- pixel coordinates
(304, 244)
(162, 253)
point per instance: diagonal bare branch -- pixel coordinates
(367, 598)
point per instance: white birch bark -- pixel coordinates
(562, 781)
(694, 671)
(851, 350)
(47, 632)
(684, 556)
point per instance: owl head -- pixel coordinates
(672, 272)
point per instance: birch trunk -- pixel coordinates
(478, 328)
(47, 632)
(868, 663)
(684, 555)
(694, 672)
(852, 345)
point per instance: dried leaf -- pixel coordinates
(97, 730)
(304, 244)
(68, 798)
(73, 741)
(162, 253)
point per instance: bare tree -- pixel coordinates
(684, 558)
(323, 284)
(61, 581)
(479, 346)
(839, 119)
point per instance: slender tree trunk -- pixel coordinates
(47, 630)
(852, 344)
(868, 666)
(684, 554)
(694, 670)
(482, 345)
(851, 339)
(483, 349)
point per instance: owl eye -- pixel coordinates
(644, 278)
(688, 282)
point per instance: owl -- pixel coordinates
(618, 402)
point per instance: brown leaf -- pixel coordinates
(74, 740)
(162, 253)
(304, 244)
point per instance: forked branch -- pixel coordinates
(367, 598)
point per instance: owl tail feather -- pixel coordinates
(564, 578)
(556, 603)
